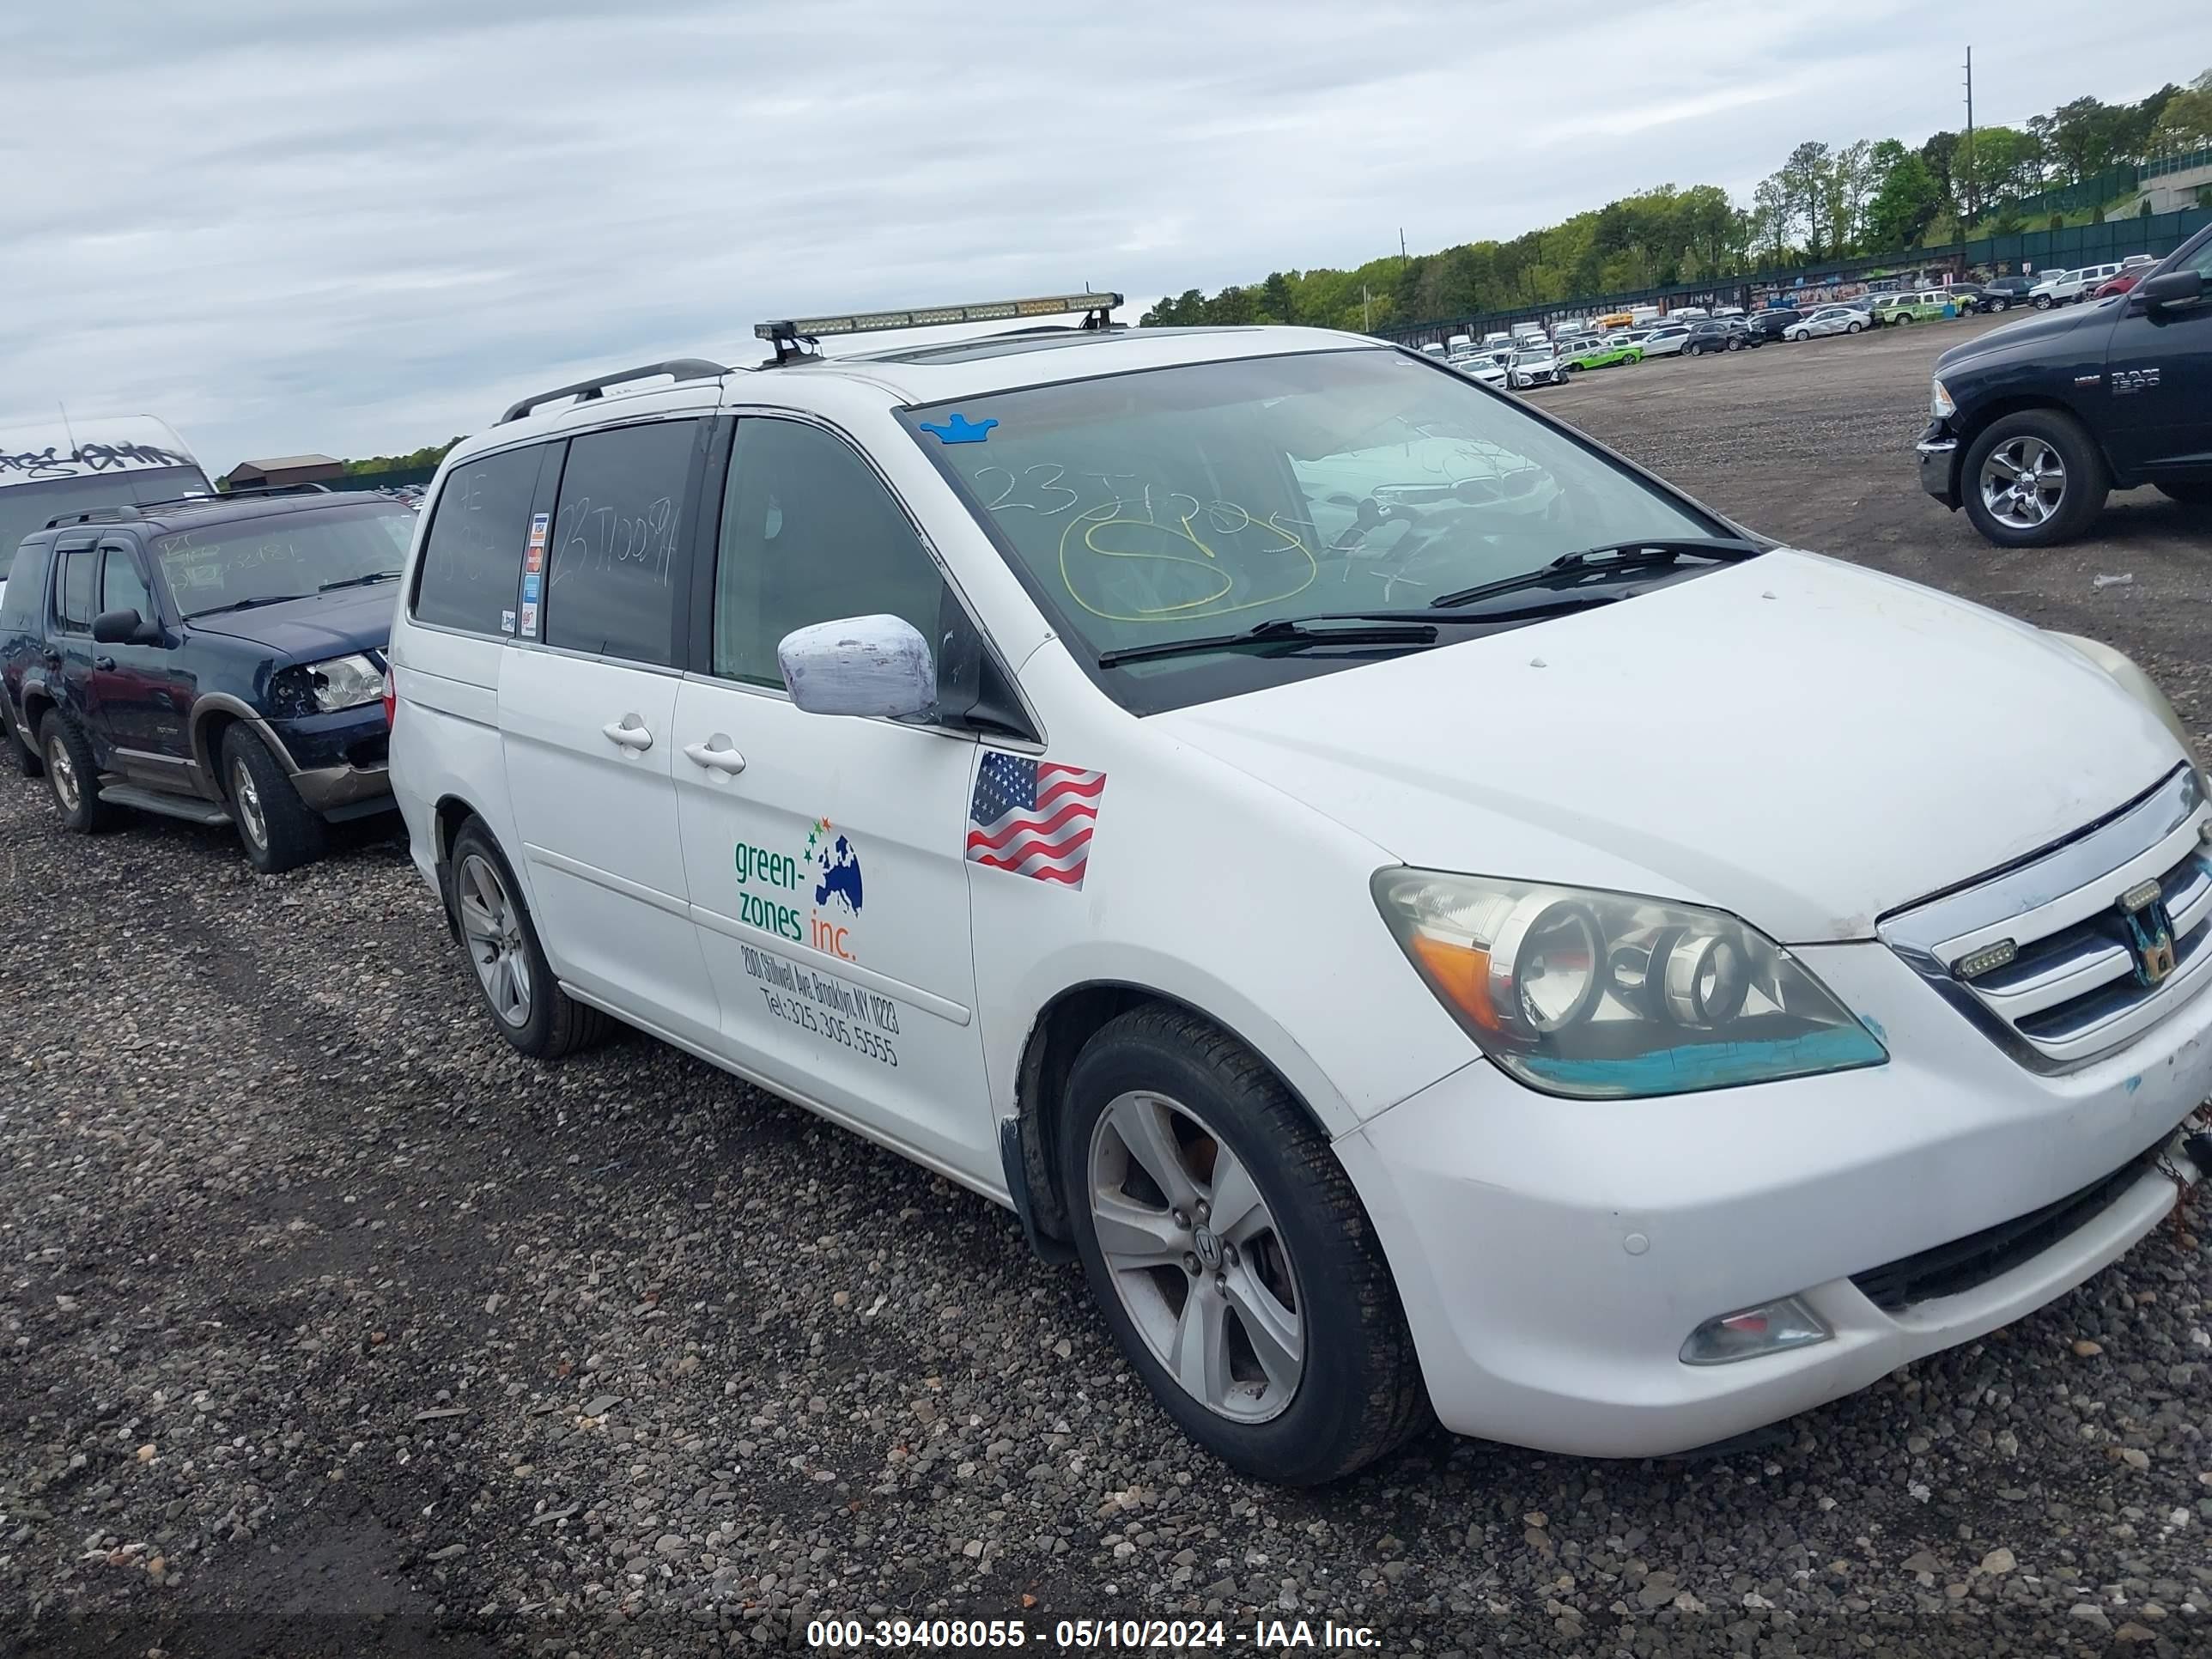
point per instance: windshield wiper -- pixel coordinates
(1379, 628)
(361, 581)
(1615, 555)
(246, 604)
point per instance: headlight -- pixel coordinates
(344, 682)
(1940, 405)
(1607, 995)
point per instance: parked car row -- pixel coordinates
(880, 730)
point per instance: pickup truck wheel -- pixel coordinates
(276, 827)
(527, 1006)
(1230, 1256)
(2033, 480)
(2188, 494)
(73, 774)
(1902, 319)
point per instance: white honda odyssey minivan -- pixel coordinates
(1434, 919)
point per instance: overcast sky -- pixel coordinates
(290, 225)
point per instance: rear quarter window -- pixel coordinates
(472, 568)
(27, 590)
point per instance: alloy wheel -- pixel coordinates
(63, 771)
(2023, 482)
(246, 795)
(1196, 1259)
(491, 928)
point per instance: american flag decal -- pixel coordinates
(1034, 818)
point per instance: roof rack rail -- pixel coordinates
(237, 490)
(795, 337)
(96, 515)
(680, 368)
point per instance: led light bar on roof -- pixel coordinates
(988, 311)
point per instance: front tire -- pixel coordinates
(1277, 1342)
(2043, 302)
(2035, 479)
(73, 774)
(527, 1006)
(278, 829)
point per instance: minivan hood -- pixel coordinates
(314, 627)
(1803, 743)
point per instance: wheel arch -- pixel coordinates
(1029, 1142)
(1971, 424)
(212, 718)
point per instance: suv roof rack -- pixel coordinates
(680, 368)
(794, 338)
(96, 515)
(260, 489)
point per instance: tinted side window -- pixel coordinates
(617, 560)
(26, 590)
(121, 586)
(810, 535)
(472, 558)
(77, 599)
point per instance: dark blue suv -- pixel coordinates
(219, 659)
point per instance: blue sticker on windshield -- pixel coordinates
(961, 430)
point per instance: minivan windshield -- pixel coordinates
(31, 504)
(1197, 500)
(283, 555)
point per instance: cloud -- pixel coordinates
(357, 227)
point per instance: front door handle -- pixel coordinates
(716, 754)
(103, 663)
(629, 731)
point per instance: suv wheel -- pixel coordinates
(530, 1010)
(2001, 303)
(274, 824)
(73, 774)
(2043, 302)
(2034, 478)
(1230, 1255)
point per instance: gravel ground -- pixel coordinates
(332, 1326)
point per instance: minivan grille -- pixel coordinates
(2077, 951)
(1965, 1263)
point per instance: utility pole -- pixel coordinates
(1402, 241)
(1366, 310)
(1973, 167)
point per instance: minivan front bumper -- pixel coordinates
(1553, 1255)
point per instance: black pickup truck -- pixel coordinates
(2035, 423)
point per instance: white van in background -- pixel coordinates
(49, 470)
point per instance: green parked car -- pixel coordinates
(1605, 356)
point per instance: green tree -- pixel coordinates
(1904, 206)
(2084, 137)
(1278, 302)
(1997, 163)
(1937, 151)
(1804, 178)
(2185, 120)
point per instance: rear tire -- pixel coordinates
(526, 1005)
(278, 831)
(2001, 304)
(73, 774)
(1279, 1344)
(2028, 440)
(1849, 328)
